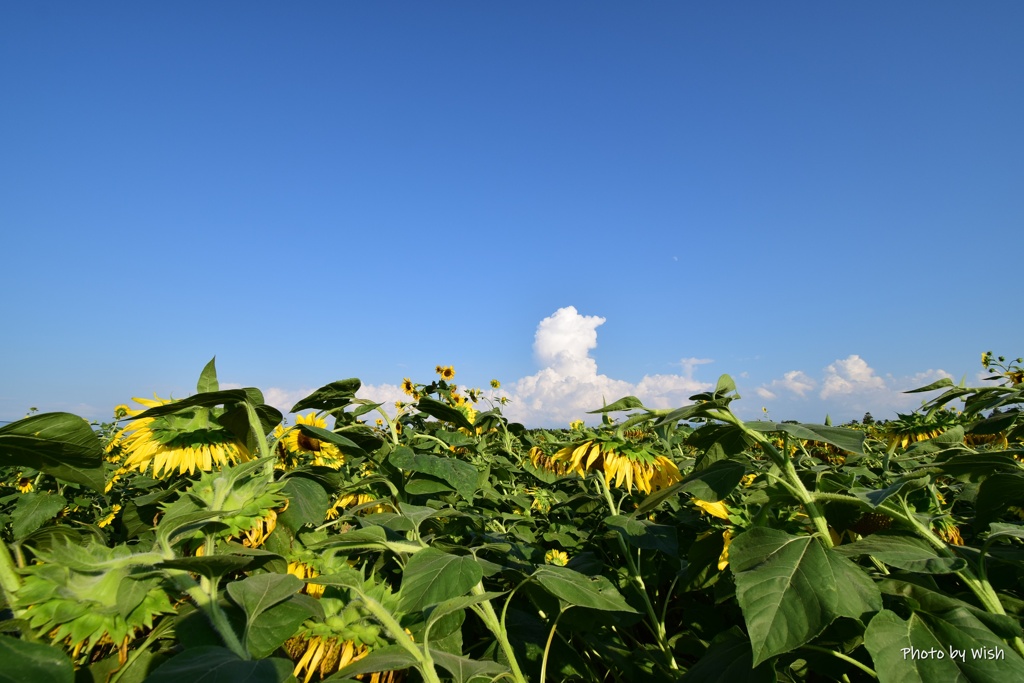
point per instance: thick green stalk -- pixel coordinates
(10, 582)
(486, 612)
(656, 623)
(422, 655)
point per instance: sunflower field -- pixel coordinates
(204, 539)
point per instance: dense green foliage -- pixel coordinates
(434, 540)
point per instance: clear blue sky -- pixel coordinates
(822, 199)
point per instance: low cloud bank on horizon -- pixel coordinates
(569, 384)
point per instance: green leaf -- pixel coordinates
(787, 587)
(645, 534)
(728, 659)
(462, 476)
(938, 384)
(32, 510)
(208, 399)
(273, 627)
(857, 592)
(910, 650)
(445, 413)
(209, 664)
(389, 658)
(258, 593)
(850, 440)
(903, 550)
(208, 378)
(432, 576)
(60, 444)
(330, 396)
(447, 607)
(464, 669)
(626, 403)
(308, 503)
(874, 498)
(213, 567)
(579, 590)
(131, 592)
(997, 493)
(22, 661)
(977, 466)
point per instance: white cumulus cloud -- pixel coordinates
(796, 382)
(569, 385)
(851, 375)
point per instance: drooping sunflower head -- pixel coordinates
(71, 596)
(626, 465)
(190, 440)
(243, 499)
(347, 633)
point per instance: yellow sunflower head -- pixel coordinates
(495, 384)
(407, 386)
(556, 557)
(447, 372)
(307, 449)
(626, 466)
(190, 440)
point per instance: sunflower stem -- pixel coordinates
(547, 647)
(656, 623)
(9, 579)
(486, 612)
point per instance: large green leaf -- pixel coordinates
(21, 661)
(789, 589)
(256, 594)
(271, 628)
(645, 534)
(212, 567)
(927, 648)
(579, 590)
(210, 664)
(32, 510)
(307, 503)
(60, 444)
(444, 412)
(329, 397)
(903, 550)
(625, 403)
(997, 493)
(728, 659)
(432, 576)
(850, 440)
(462, 476)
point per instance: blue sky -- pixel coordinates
(579, 199)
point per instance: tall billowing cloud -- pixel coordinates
(569, 385)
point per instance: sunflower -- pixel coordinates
(556, 557)
(25, 485)
(70, 596)
(629, 466)
(301, 447)
(407, 386)
(447, 372)
(187, 441)
(355, 499)
(347, 633)
(109, 517)
(908, 429)
(495, 384)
